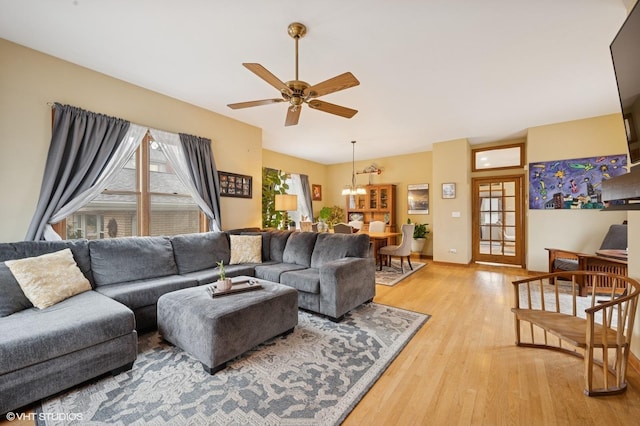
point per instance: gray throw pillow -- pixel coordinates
(12, 298)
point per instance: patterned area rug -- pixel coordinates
(314, 376)
(392, 275)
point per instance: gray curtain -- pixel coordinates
(204, 174)
(306, 195)
(82, 143)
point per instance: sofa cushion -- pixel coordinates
(22, 249)
(330, 247)
(195, 252)
(12, 298)
(305, 280)
(137, 294)
(208, 276)
(49, 278)
(616, 238)
(245, 249)
(299, 248)
(33, 336)
(272, 272)
(118, 260)
(278, 242)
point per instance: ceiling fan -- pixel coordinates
(297, 92)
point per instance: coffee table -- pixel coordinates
(215, 330)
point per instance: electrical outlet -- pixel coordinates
(454, 251)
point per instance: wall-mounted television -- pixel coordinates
(625, 52)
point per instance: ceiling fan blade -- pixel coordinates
(254, 103)
(340, 82)
(333, 109)
(293, 115)
(266, 75)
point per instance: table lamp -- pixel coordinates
(286, 203)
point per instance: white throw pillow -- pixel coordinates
(50, 278)
(245, 249)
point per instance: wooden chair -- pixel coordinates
(567, 260)
(402, 250)
(602, 325)
(342, 228)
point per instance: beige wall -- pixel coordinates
(317, 172)
(29, 80)
(400, 170)
(578, 230)
(452, 217)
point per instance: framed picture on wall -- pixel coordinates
(418, 198)
(448, 190)
(235, 185)
(316, 192)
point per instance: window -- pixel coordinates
(145, 198)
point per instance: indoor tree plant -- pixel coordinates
(419, 236)
(331, 215)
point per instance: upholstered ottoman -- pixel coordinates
(217, 329)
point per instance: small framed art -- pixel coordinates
(316, 192)
(234, 185)
(448, 190)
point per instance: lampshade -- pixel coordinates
(286, 202)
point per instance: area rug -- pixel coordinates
(314, 376)
(392, 275)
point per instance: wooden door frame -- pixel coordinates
(520, 258)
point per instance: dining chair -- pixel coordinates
(342, 228)
(377, 226)
(401, 250)
(356, 224)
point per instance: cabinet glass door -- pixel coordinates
(384, 198)
(373, 198)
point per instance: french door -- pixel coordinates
(498, 220)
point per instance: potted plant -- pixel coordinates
(331, 215)
(419, 236)
(223, 283)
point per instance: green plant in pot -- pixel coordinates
(420, 232)
(223, 283)
(331, 215)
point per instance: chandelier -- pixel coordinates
(353, 189)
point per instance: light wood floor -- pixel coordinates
(462, 367)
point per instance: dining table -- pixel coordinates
(380, 239)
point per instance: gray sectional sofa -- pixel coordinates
(44, 351)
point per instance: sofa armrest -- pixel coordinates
(345, 284)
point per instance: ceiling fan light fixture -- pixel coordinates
(297, 92)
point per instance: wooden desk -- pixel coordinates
(380, 239)
(614, 254)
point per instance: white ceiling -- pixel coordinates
(429, 71)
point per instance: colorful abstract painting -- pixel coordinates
(572, 184)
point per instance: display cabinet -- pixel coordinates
(378, 203)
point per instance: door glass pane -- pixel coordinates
(509, 203)
(510, 188)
